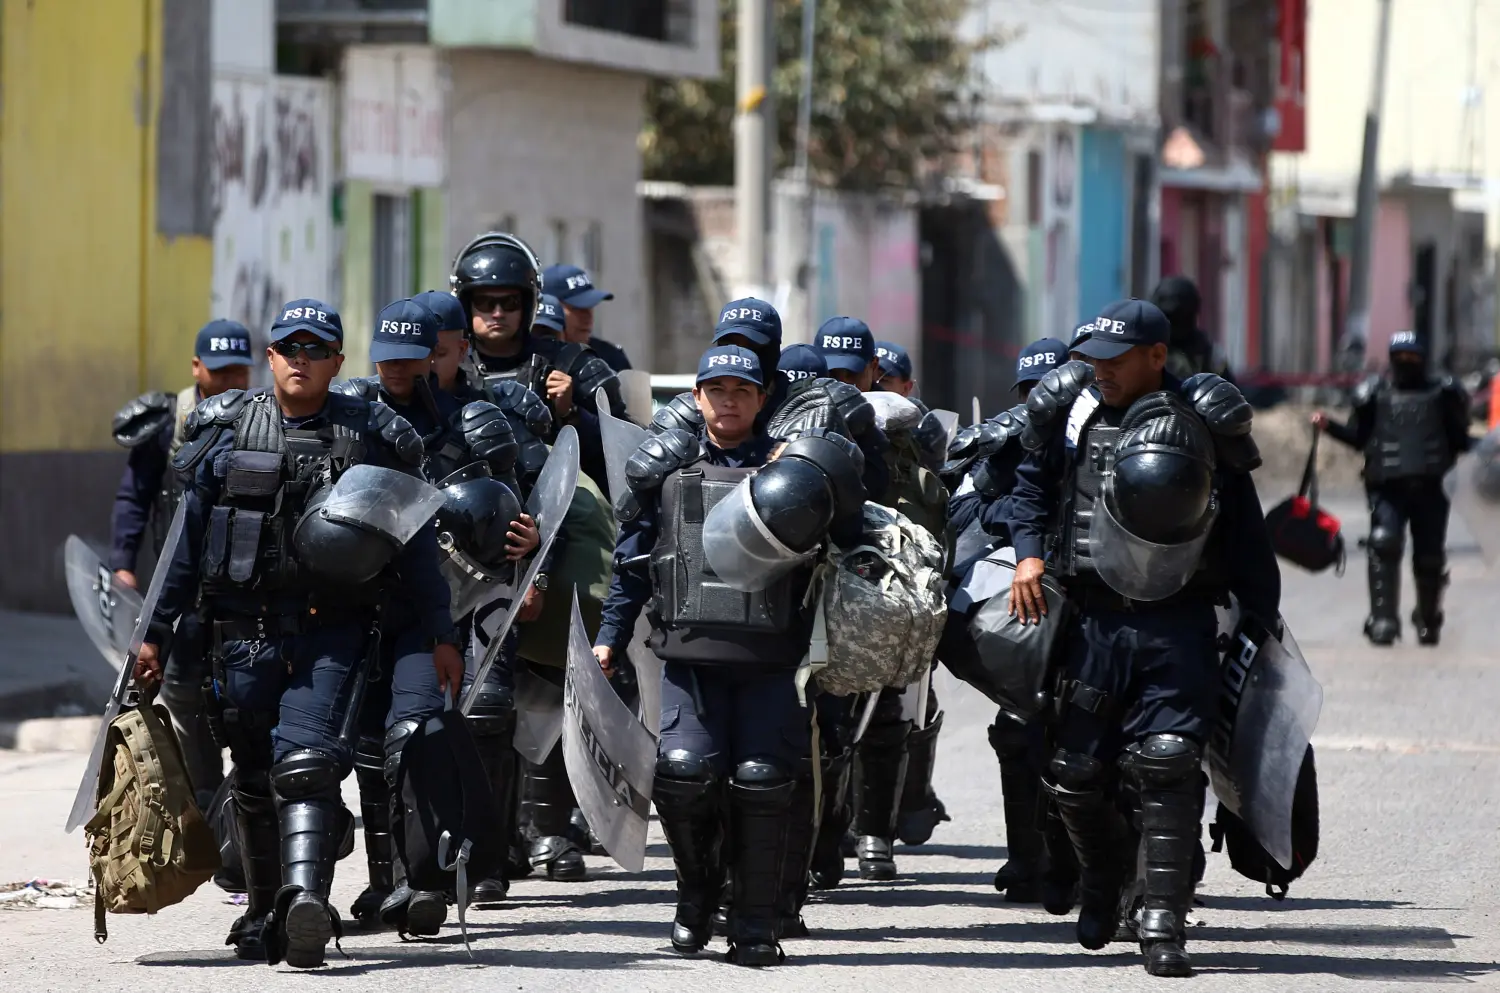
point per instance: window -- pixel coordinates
(653, 20)
(593, 249)
(557, 246)
(391, 272)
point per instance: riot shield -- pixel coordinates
(989, 575)
(975, 411)
(611, 758)
(1268, 708)
(375, 498)
(106, 607)
(83, 800)
(548, 505)
(635, 390)
(1474, 488)
(620, 438)
(950, 422)
(539, 710)
(648, 671)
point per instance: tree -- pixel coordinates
(889, 80)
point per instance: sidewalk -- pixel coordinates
(49, 668)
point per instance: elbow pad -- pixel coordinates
(1047, 406)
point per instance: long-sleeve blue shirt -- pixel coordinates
(417, 579)
(1254, 576)
(630, 588)
(136, 497)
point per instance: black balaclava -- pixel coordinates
(1405, 373)
(1178, 298)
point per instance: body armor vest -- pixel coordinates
(270, 473)
(697, 618)
(1409, 438)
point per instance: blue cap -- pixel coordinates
(1407, 343)
(549, 313)
(307, 314)
(1122, 326)
(752, 317)
(894, 361)
(222, 344)
(1080, 334)
(731, 360)
(573, 286)
(1039, 358)
(447, 309)
(404, 330)
(845, 343)
(799, 362)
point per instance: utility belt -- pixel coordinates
(1090, 594)
(232, 625)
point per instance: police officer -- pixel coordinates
(498, 281)
(988, 455)
(895, 369)
(575, 291)
(1411, 426)
(294, 598)
(1137, 496)
(1191, 350)
(731, 723)
(753, 323)
(452, 348)
(800, 364)
(152, 426)
(456, 444)
(551, 321)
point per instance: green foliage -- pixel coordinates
(888, 96)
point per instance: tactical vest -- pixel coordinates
(170, 490)
(697, 618)
(1409, 438)
(444, 451)
(270, 473)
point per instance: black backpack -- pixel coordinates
(1250, 860)
(445, 833)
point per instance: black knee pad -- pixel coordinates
(683, 778)
(1077, 772)
(1430, 567)
(369, 756)
(1386, 543)
(1008, 739)
(1165, 761)
(306, 773)
(761, 773)
(396, 737)
(493, 714)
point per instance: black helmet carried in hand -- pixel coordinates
(496, 260)
(472, 523)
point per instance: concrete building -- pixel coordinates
(464, 115)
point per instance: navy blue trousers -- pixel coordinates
(733, 714)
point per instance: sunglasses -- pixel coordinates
(484, 303)
(316, 351)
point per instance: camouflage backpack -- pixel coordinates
(149, 846)
(883, 605)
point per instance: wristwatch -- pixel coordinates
(540, 582)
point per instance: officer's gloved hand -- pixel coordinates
(1049, 400)
(658, 457)
(814, 406)
(488, 434)
(397, 432)
(525, 406)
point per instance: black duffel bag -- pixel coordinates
(1302, 532)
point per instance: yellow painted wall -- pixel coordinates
(95, 306)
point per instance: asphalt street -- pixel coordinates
(1405, 891)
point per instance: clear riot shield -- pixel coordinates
(610, 756)
(548, 505)
(1474, 488)
(539, 711)
(620, 439)
(375, 498)
(1268, 710)
(950, 422)
(635, 389)
(106, 607)
(739, 547)
(84, 800)
(976, 415)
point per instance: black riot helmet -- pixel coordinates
(816, 479)
(1178, 298)
(338, 550)
(1161, 488)
(500, 261)
(473, 521)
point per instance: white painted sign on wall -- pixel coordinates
(393, 115)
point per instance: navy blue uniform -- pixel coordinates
(137, 497)
(611, 353)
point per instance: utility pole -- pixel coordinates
(1357, 325)
(753, 135)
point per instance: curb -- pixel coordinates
(50, 734)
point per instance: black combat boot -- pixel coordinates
(828, 847)
(758, 807)
(258, 840)
(1059, 883)
(1383, 627)
(492, 722)
(692, 817)
(1427, 618)
(305, 923)
(1171, 805)
(414, 912)
(920, 809)
(375, 813)
(547, 815)
(1020, 787)
(1096, 830)
(879, 773)
(800, 835)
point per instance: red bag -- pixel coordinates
(1302, 532)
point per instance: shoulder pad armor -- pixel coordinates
(858, 412)
(218, 411)
(143, 418)
(359, 387)
(1220, 403)
(523, 405)
(488, 434)
(658, 456)
(397, 432)
(679, 412)
(810, 407)
(1366, 392)
(1047, 406)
